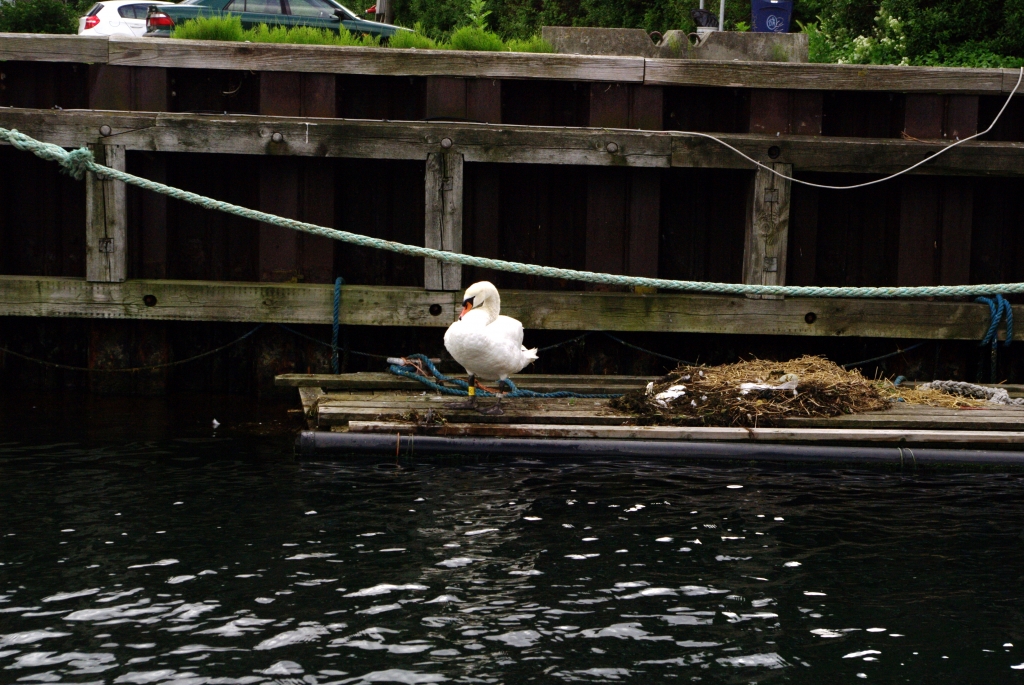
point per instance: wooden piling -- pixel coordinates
(443, 222)
(106, 237)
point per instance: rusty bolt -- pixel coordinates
(446, 143)
(105, 130)
(277, 138)
(612, 148)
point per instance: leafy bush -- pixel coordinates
(919, 32)
(39, 16)
(229, 27)
(412, 39)
(473, 38)
(532, 44)
(226, 27)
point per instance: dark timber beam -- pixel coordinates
(397, 306)
(316, 137)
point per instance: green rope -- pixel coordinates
(78, 162)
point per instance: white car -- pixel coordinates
(116, 18)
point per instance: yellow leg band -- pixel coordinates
(472, 391)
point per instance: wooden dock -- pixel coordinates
(571, 161)
(380, 403)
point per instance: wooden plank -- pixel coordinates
(201, 54)
(767, 234)
(280, 95)
(923, 116)
(385, 381)
(253, 135)
(443, 230)
(36, 47)
(770, 111)
(919, 226)
(106, 229)
(961, 116)
(956, 229)
(671, 72)
(446, 98)
(519, 411)
(710, 434)
(309, 398)
(564, 310)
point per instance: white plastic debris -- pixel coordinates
(216, 423)
(664, 397)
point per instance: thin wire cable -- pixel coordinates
(135, 369)
(327, 344)
(564, 342)
(876, 181)
(646, 351)
(884, 356)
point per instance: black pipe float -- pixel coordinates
(323, 444)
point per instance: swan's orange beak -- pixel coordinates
(466, 306)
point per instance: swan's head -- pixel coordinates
(482, 295)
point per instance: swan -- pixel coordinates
(487, 344)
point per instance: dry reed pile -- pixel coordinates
(754, 393)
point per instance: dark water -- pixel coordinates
(137, 550)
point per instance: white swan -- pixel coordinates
(487, 344)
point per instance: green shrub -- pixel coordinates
(39, 16)
(473, 38)
(227, 27)
(411, 39)
(531, 44)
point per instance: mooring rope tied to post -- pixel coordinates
(78, 162)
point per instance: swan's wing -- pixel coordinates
(509, 328)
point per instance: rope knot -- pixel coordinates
(77, 162)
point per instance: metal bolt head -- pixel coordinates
(277, 138)
(446, 143)
(612, 148)
(105, 130)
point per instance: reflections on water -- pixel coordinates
(190, 562)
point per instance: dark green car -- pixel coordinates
(322, 14)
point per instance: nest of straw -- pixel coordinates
(714, 396)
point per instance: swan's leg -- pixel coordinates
(496, 409)
(469, 403)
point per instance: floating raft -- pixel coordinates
(382, 413)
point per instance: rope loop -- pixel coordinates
(416, 365)
(999, 310)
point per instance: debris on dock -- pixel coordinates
(753, 393)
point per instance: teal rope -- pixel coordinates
(999, 310)
(78, 162)
(462, 386)
(335, 365)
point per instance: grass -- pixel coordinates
(211, 28)
(229, 28)
(474, 38)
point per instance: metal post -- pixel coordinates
(721, 16)
(702, 4)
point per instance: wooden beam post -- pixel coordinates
(443, 219)
(623, 205)
(767, 233)
(106, 221)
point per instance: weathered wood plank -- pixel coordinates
(201, 54)
(767, 231)
(711, 434)
(443, 219)
(106, 225)
(253, 135)
(588, 311)
(670, 72)
(386, 381)
(37, 47)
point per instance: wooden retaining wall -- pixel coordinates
(560, 160)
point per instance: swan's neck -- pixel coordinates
(492, 307)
